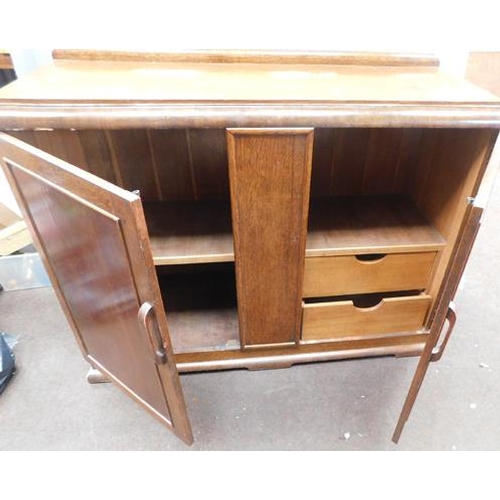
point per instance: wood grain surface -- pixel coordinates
(347, 274)
(92, 238)
(368, 224)
(245, 82)
(343, 320)
(270, 178)
(254, 56)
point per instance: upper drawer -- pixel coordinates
(351, 274)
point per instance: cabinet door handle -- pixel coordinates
(451, 316)
(150, 326)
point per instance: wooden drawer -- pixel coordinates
(351, 274)
(342, 319)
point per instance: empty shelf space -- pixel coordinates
(200, 302)
(368, 224)
(200, 232)
(190, 232)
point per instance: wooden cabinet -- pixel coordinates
(205, 211)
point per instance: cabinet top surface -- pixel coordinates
(114, 81)
(88, 89)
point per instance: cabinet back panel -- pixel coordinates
(355, 161)
(163, 164)
(192, 164)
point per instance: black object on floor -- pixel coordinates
(7, 362)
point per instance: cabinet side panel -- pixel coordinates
(270, 178)
(454, 170)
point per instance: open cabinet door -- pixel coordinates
(93, 239)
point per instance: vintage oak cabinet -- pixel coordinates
(215, 210)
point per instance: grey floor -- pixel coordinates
(344, 405)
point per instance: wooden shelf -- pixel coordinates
(201, 307)
(190, 232)
(200, 232)
(368, 224)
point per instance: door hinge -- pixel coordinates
(470, 200)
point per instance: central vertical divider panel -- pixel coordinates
(269, 173)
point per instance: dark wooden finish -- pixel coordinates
(131, 152)
(192, 164)
(15, 115)
(457, 267)
(270, 178)
(200, 301)
(285, 356)
(173, 164)
(253, 56)
(65, 145)
(164, 165)
(399, 151)
(93, 241)
(208, 154)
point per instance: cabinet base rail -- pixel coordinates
(275, 358)
(269, 358)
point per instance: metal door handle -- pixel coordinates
(152, 332)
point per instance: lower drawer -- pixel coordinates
(343, 320)
(346, 274)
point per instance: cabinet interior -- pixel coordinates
(373, 191)
(200, 301)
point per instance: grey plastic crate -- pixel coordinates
(22, 271)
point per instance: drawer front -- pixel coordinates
(343, 320)
(350, 274)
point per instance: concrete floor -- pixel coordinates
(50, 406)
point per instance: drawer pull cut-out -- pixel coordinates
(370, 258)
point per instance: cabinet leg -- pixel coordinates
(96, 377)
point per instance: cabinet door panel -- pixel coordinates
(93, 239)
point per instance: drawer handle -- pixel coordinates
(155, 340)
(370, 258)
